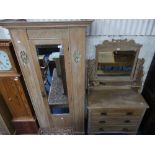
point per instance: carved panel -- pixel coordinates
(138, 74)
(91, 69)
(47, 33)
(124, 45)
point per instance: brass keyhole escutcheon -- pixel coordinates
(127, 121)
(104, 114)
(102, 122)
(129, 113)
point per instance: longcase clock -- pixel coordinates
(14, 91)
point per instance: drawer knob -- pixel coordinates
(102, 121)
(129, 113)
(103, 113)
(125, 129)
(101, 129)
(127, 121)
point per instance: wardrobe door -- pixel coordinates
(52, 63)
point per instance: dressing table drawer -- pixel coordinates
(113, 129)
(114, 120)
(116, 112)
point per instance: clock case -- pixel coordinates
(15, 95)
(6, 46)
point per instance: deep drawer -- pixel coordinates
(110, 129)
(115, 112)
(114, 120)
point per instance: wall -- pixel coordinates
(142, 31)
(147, 51)
(145, 27)
(4, 33)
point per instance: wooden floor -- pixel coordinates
(55, 131)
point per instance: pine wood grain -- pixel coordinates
(32, 82)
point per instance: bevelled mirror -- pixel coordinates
(52, 66)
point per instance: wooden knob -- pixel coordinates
(129, 113)
(125, 129)
(102, 83)
(103, 113)
(102, 121)
(101, 129)
(127, 121)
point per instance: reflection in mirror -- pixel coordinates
(52, 65)
(115, 63)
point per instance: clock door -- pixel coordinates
(8, 61)
(5, 64)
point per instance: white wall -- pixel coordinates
(4, 33)
(147, 51)
(128, 27)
